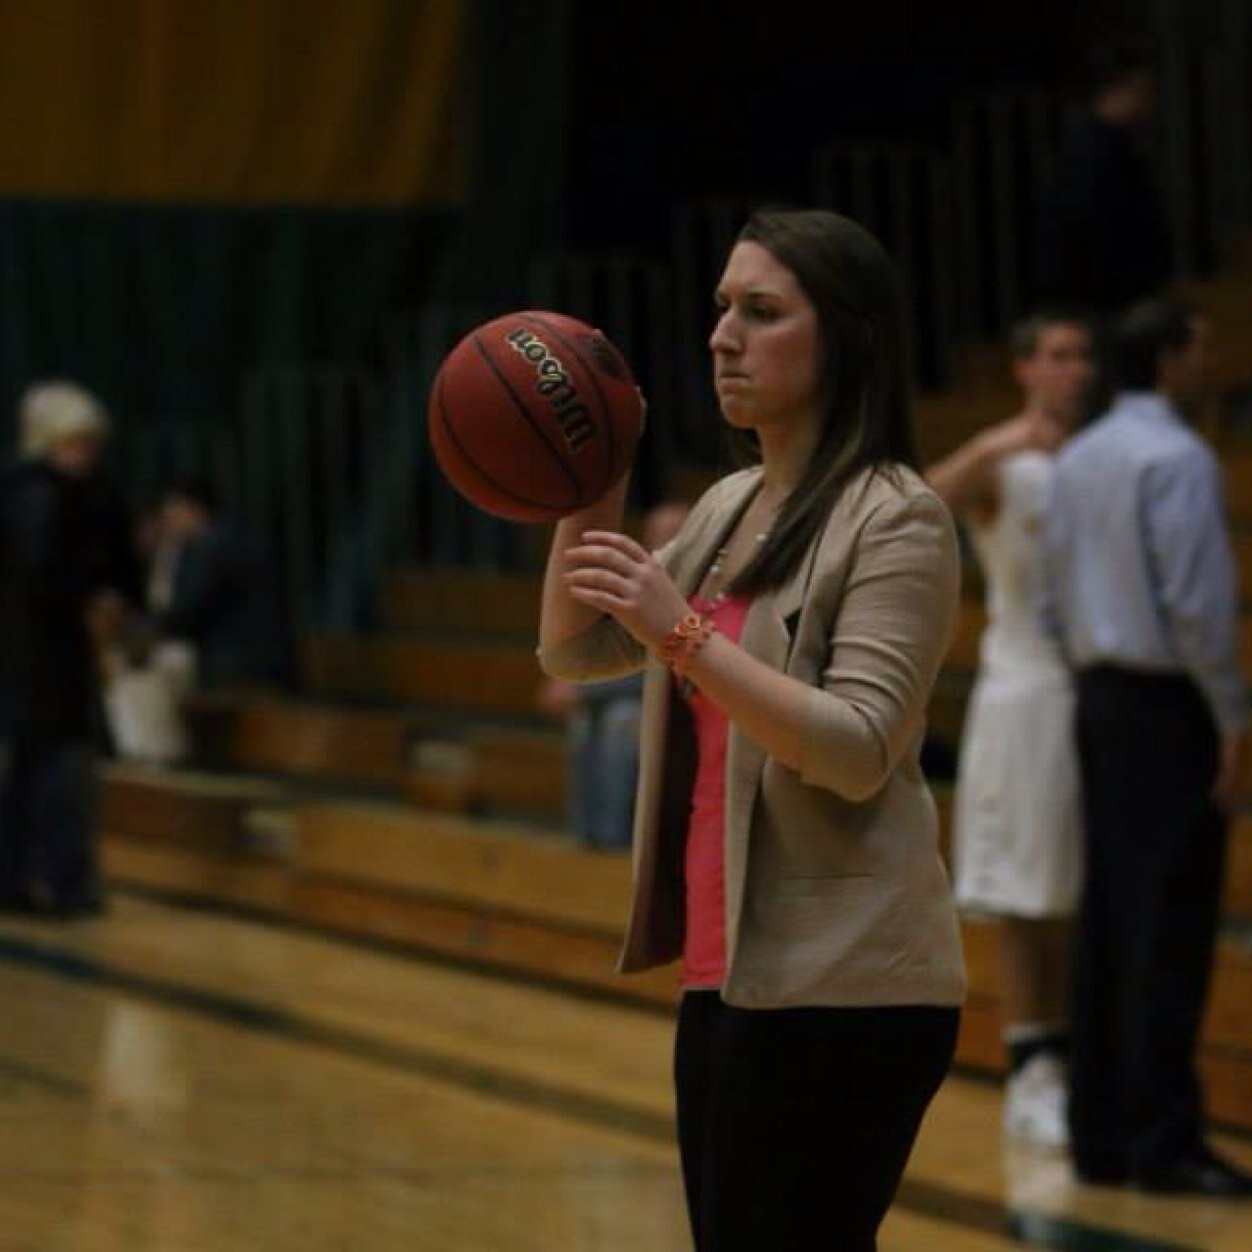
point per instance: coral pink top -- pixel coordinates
(704, 952)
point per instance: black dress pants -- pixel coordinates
(48, 824)
(794, 1125)
(1155, 850)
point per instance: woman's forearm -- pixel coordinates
(561, 617)
(829, 741)
(887, 643)
(769, 707)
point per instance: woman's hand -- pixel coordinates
(612, 573)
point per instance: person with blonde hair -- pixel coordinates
(61, 421)
(65, 566)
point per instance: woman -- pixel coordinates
(785, 841)
(65, 564)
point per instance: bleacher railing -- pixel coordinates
(334, 466)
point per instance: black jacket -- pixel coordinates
(62, 540)
(225, 601)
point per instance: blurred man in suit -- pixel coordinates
(222, 596)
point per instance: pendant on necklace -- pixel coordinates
(719, 558)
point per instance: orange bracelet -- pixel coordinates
(686, 639)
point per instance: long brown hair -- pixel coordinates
(864, 378)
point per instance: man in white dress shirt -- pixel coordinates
(1140, 592)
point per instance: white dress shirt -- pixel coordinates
(1138, 570)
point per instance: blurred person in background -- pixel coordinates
(216, 592)
(1140, 592)
(603, 723)
(147, 678)
(146, 681)
(67, 570)
(1102, 238)
(1017, 850)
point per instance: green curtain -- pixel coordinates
(514, 214)
(162, 309)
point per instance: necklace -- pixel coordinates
(719, 559)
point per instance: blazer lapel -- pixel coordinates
(768, 632)
(690, 565)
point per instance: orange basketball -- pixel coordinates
(533, 416)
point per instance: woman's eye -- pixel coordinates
(749, 312)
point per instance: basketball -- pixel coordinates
(533, 416)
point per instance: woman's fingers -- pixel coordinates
(615, 539)
(609, 551)
(612, 573)
(605, 580)
(601, 556)
(594, 599)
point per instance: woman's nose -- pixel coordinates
(724, 338)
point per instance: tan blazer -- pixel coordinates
(835, 891)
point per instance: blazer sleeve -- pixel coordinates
(891, 630)
(603, 650)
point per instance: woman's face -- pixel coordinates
(766, 344)
(76, 456)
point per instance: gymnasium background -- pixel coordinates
(253, 228)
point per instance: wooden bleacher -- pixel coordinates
(413, 795)
(517, 899)
(434, 856)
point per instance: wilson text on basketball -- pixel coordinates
(552, 381)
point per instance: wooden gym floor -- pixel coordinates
(179, 1079)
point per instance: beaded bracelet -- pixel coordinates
(684, 641)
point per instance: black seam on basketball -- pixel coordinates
(530, 421)
(606, 412)
(450, 431)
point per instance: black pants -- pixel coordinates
(48, 823)
(1155, 848)
(794, 1125)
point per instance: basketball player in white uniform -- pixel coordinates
(1016, 838)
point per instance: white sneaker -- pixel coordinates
(1035, 1100)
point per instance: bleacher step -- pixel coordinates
(516, 900)
(191, 807)
(522, 870)
(272, 833)
(450, 600)
(394, 671)
(276, 735)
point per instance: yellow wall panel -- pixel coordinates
(240, 101)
